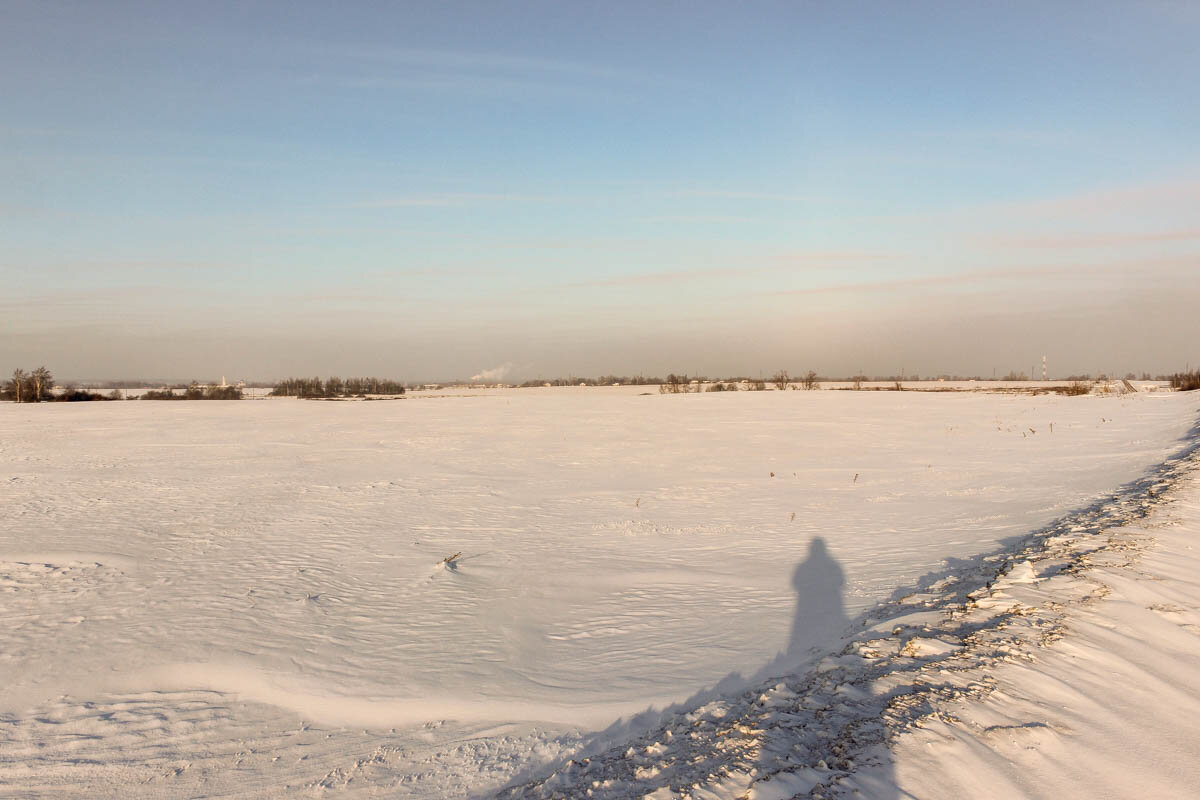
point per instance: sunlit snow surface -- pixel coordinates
(249, 596)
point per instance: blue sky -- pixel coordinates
(430, 190)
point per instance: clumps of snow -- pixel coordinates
(1020, 573)
(921, 647)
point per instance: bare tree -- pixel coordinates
(810, 380)
(42, 381)
(15, 385)
(781, 380)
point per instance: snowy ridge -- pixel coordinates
(822, 734)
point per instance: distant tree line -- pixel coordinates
(603, 380)
(195, 392)
(335, 387)
(139, 383)
(673, 382)
(682, 384)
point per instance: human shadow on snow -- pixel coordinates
(819, 622)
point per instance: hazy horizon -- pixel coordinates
(538, 189)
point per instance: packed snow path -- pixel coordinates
(248, 598)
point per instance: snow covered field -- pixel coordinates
(247, 598)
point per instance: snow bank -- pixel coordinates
(1110, 706)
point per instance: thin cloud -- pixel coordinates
(821, 257)
(739, 194)
(1094, 240)
(676, 276)
(780, 263)
(1130, 198)
(575, 243)
(473, 84)
(1139, 197)
(17, 210)
(472, 61)
(1040, 273)
(928, 281)
(110, 266)
(80, 306)
(704, 220)
(1051, 137)
(444, 200)
(476, 72)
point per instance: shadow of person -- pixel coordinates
(820, 613)
(819, 626)
(819, 622)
